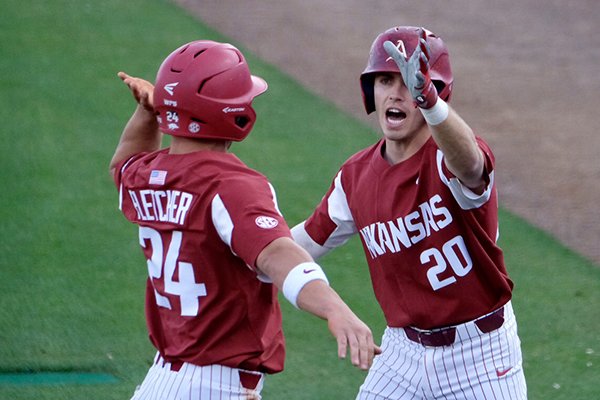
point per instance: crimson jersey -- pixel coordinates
(203, 219)
(430, 242)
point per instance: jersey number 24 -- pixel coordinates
(186, 287)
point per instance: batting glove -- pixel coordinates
(415, 72)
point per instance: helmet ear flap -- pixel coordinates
(241, 121)
(442, 89)
(367, 83)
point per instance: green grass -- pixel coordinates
(73, 278)
(557, 300)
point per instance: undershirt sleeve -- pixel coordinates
(331, 225)
(465, 197)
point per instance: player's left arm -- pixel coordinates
(455, 138)
(141, 133)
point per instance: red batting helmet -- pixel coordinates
(407, 37)
(204, 89)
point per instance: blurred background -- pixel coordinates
(526, 79)
(73, 276)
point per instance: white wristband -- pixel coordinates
(436, 114)
(299, 276)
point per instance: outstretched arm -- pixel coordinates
(141, 133)
(462, 155)
(287, 264)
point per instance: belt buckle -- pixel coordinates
(443, 337)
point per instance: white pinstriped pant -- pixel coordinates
(193, 382)
(477, 366)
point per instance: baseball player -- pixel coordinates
(216, 245)
(424, 201)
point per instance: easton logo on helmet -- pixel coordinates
(170, 87)
(233, 109)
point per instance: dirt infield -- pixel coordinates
(526, 79)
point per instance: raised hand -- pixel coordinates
(141, 89)
(415, 71)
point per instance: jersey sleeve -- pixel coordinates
(119, 172)
(465, 197)
(246, 216)
(330, 226)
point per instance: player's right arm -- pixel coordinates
(302, 281)
(141, 133)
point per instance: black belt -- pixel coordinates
(446, 336)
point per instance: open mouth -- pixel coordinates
(395, 115)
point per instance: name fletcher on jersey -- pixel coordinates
(380, 237)
(161, 205)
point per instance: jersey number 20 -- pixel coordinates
(454, 252)
(186, 287)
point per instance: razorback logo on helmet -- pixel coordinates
(401, 48)
(265, 222)
(170, 87)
